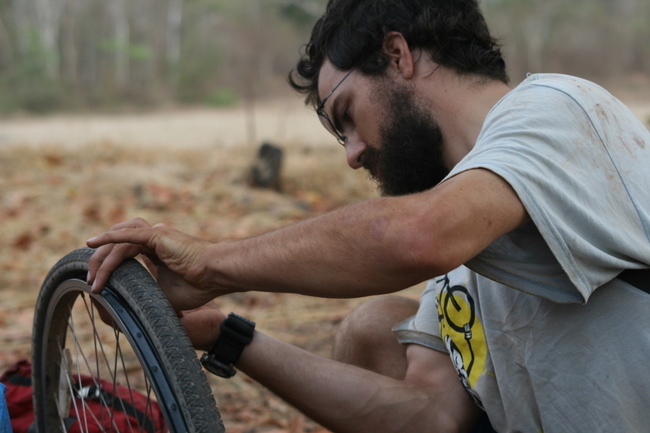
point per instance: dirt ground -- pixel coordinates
(65, 178)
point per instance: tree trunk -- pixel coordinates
(121, 46)
(6, 55)
(20, 15)
(173, 41)
(48, 18)
(69, 57)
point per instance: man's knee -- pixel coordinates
(375, 319)
(366, 339)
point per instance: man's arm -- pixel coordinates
(427, 397)
(345, 398)
(378, 246)
(374, 247)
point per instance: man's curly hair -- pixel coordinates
(351, 34)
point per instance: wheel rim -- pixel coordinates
(75, 334)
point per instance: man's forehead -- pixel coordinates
(328, 77)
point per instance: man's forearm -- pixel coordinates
(377, 246)
(359, 250)
(342, 397)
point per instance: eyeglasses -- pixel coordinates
(324, 118)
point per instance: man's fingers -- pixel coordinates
(137, 223)
(123, 241)
(96, 261)
(139, 236)
(100, 273)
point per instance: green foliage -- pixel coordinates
(42, 98)
(224, 97)
(135, 51)
(139, 52)
(26, 85)
(35, 96)
(109, 45)
(196, 74)
(239, 46)
(298, 14)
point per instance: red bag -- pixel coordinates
(130, 408)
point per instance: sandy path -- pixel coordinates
(283, 121)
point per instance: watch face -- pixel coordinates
(215, 367)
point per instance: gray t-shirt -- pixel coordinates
(554, 354)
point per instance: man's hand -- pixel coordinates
(177, 260)
(202, 325)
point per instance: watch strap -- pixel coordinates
(236, 333)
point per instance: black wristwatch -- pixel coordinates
(236, 333)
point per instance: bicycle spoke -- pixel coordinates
(113, 366)
(118, 350)
(94, 375)
(95, 345)
(154, 374)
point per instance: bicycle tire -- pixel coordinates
(138, 310)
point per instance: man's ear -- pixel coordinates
(400, 58)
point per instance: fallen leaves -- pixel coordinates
(52, 198)
(23, 241)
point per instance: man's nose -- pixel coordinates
(354, 148)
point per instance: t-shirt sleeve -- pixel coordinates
(576, 182)
(424, 327)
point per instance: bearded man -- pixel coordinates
(527, 210)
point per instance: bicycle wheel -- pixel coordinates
(144, 349)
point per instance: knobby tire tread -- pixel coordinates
(147, 301)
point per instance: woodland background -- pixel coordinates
(80, 54)
(111, 109)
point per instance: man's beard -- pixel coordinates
(409, 158)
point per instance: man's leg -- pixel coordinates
(366, 339)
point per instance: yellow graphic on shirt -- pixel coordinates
(463, 334)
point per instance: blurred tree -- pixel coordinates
(593, 38)
(173, 42)
(301, 13)
(47, 16)
(98, 53)
(121, 41)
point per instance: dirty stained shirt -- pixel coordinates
(579, 160)
(543, 335)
